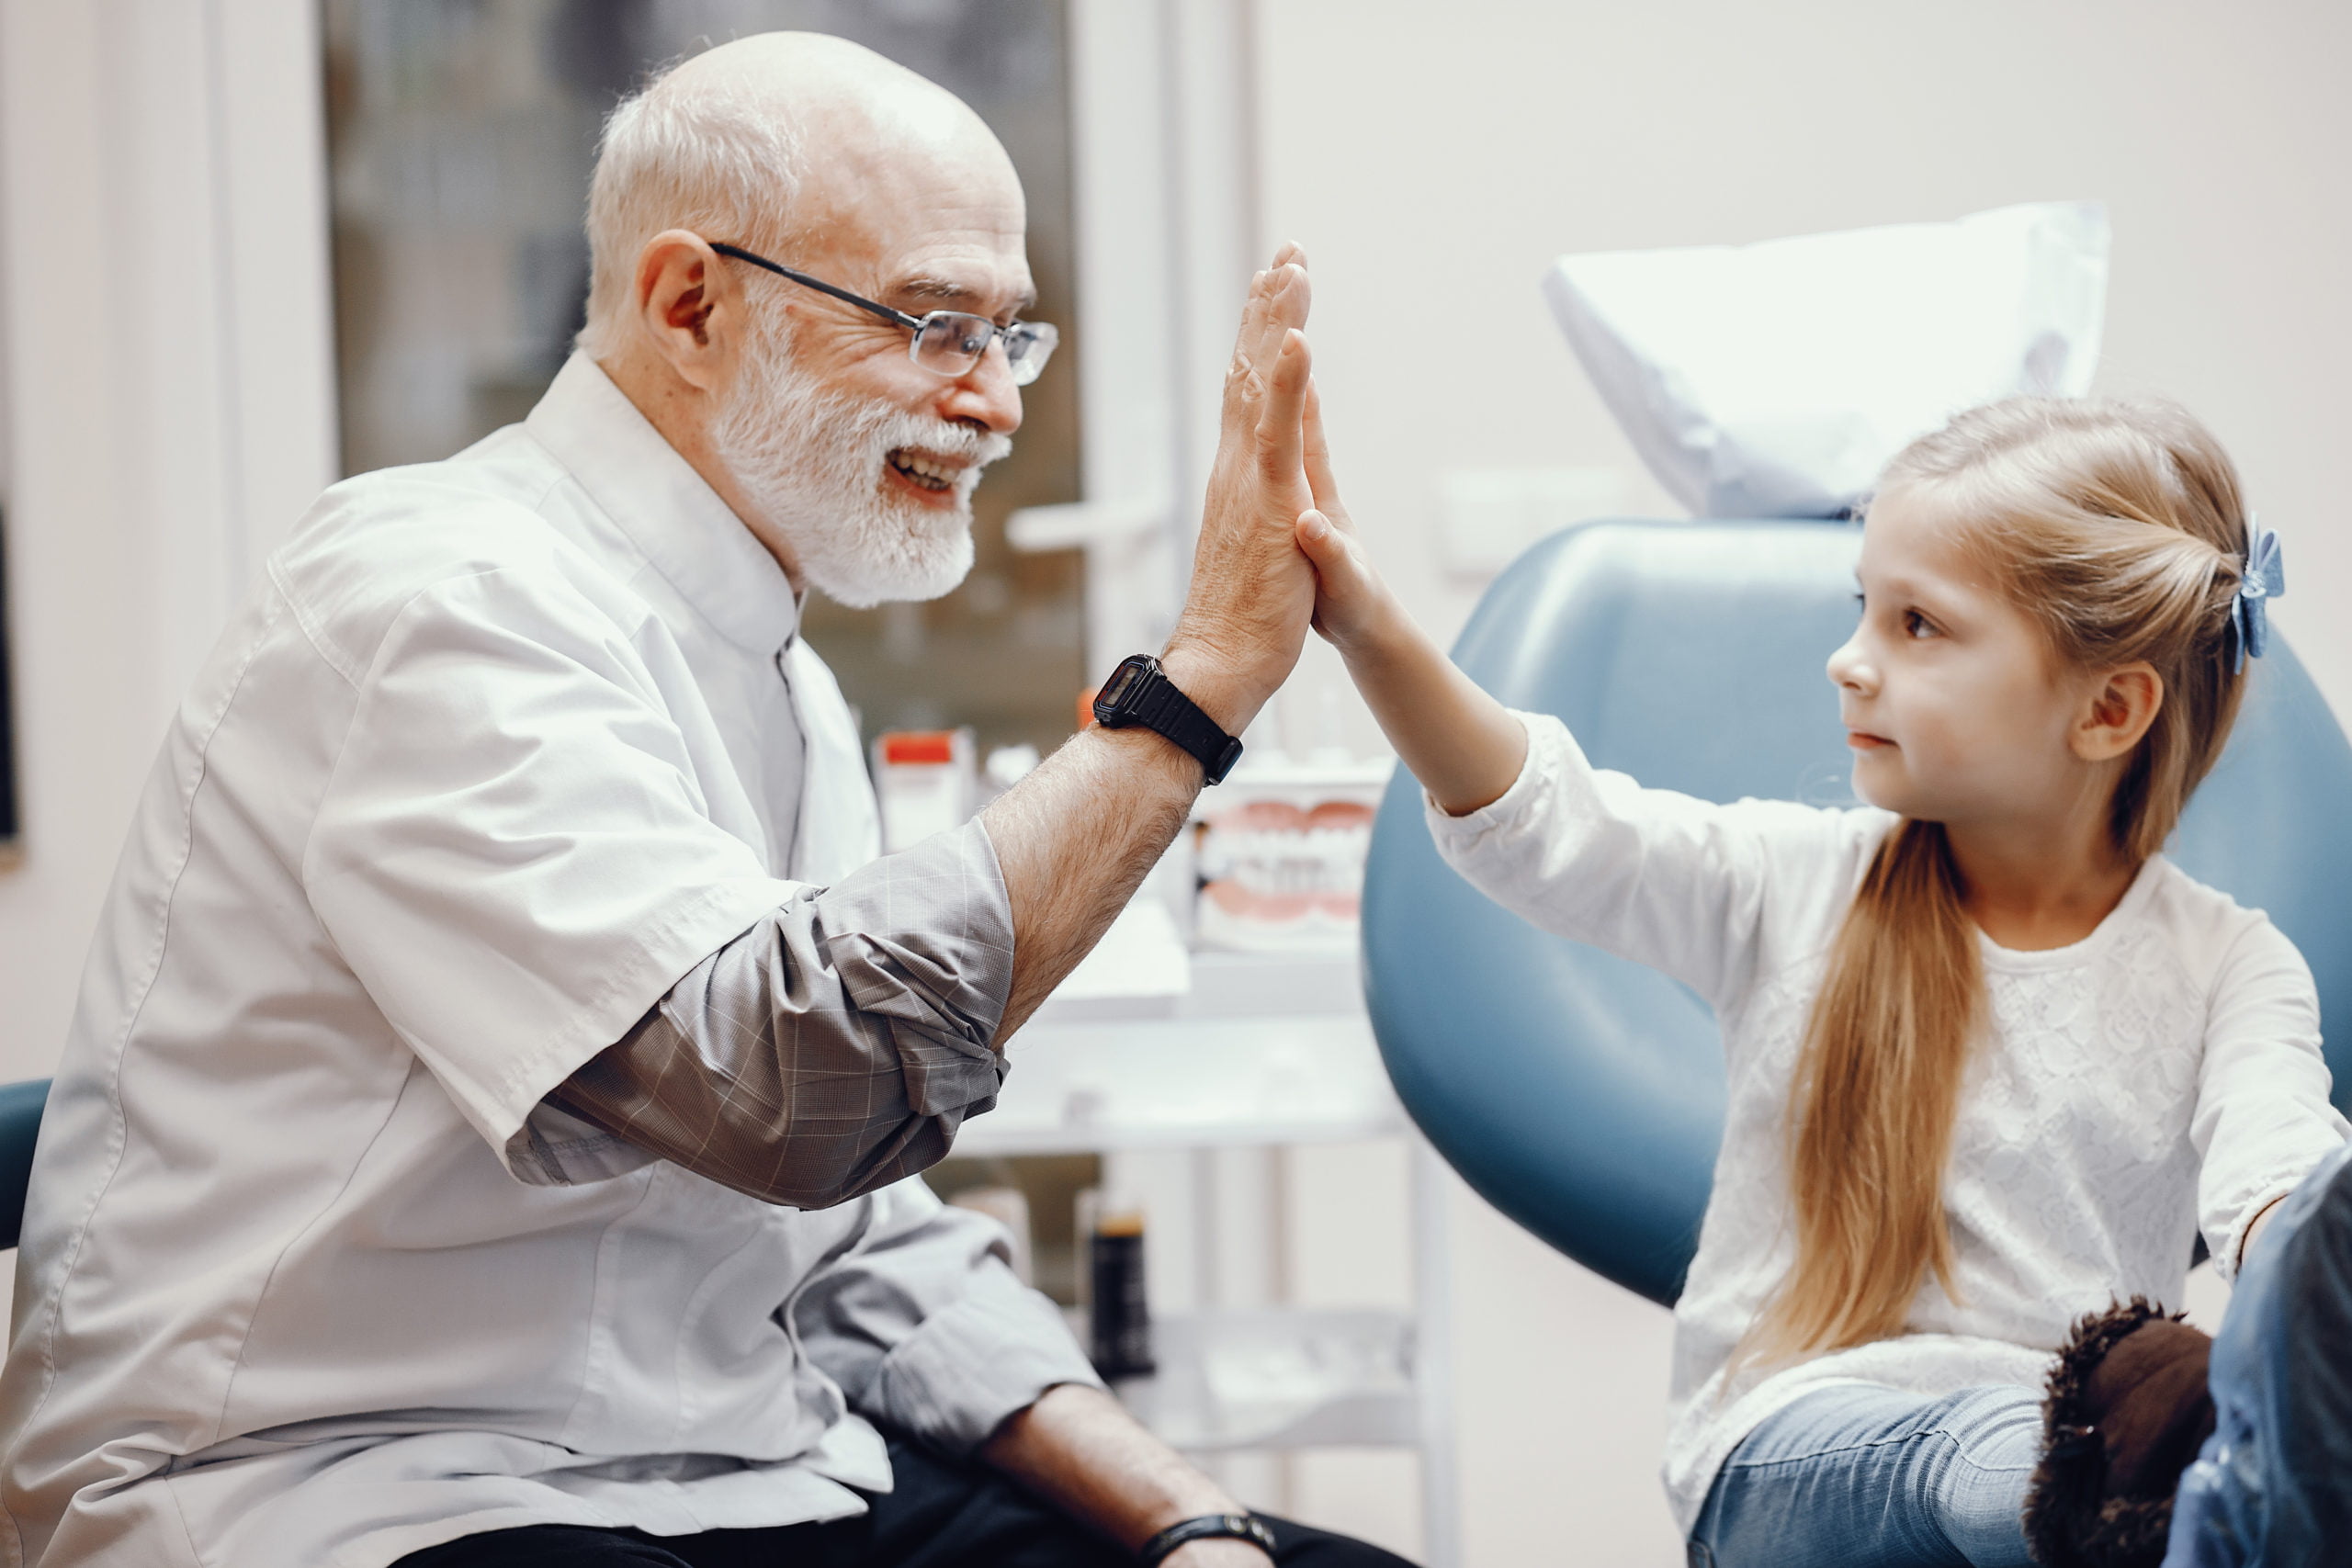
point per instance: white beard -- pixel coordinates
(813, 462)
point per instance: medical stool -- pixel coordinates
(1582, 1095)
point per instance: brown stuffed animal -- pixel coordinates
(2124, 1414)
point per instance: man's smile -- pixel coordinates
(926, 473)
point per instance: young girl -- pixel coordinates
(1993, 1061)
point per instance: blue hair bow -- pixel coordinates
(2264, 580)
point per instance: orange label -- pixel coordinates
(903, 746)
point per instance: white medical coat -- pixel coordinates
(502, 748)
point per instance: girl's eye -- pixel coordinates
(1916, 625)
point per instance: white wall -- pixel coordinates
(1434, 158)
(162, 277)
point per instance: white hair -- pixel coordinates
(699, 155)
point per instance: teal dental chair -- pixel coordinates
(1582, 1095)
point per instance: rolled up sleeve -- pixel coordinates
(832, 1049)
(927, 1330)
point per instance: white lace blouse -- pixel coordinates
(2160, 1075)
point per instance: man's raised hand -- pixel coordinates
(1252, 592)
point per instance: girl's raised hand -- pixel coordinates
(1349, 594)
(1461, 743)
(1351, 600)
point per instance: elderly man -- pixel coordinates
(482, 1139)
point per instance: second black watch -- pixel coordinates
(1138, 692)
(1230, 1526)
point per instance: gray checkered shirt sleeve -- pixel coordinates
(831, 1050)
(926, 1329)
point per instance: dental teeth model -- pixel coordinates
(1281, 862)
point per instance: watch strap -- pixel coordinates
(1159, 705)
(1237, 1526)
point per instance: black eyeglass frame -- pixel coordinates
(1039, 332)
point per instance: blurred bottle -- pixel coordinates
(1117, 1312)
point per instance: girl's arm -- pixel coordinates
(1664, 879)
(2263, 1117)
(1460, 742)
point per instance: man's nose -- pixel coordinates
(986, 394)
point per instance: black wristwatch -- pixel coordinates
(1138, 693)
(1238, 1527)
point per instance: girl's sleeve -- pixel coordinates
(1664, 879)
(2263, 1117)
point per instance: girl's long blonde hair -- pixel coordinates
(2119, 528)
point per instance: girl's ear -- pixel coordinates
(2121, 706)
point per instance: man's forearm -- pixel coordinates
(1080, 1450)
(1075, 839)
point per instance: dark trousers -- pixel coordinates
(942, 1512)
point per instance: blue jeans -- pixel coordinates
(2273, 1486)
(1877, 1478)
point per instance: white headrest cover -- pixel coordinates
(1776, 379)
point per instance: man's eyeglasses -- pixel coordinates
(948, 342)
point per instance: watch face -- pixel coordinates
(1120, 686)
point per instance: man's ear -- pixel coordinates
(687, 304)
(2122, 705)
